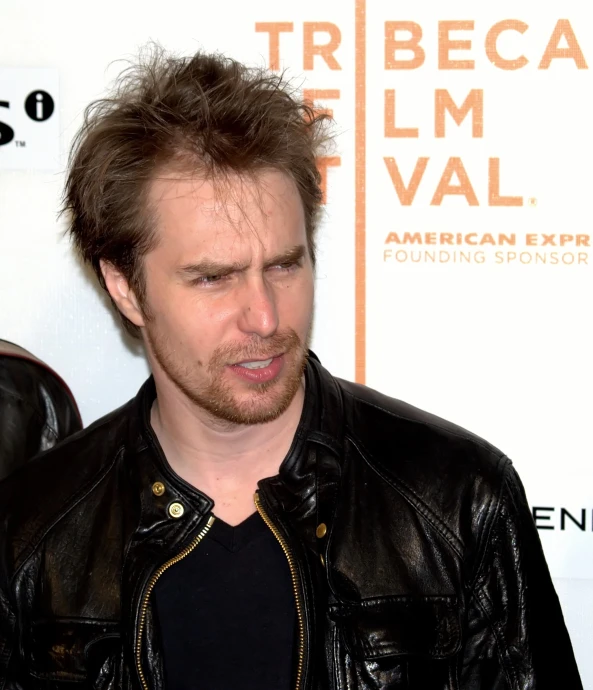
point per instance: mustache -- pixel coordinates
(256, 349)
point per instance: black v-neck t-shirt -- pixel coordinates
(227, 614)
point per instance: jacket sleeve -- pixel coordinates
(516, 637)
(7, 646)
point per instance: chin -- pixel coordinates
(256, 407)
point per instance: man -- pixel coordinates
(248, 521)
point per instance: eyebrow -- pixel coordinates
(208, 267)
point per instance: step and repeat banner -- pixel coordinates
(456, 248)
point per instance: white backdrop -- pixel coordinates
(494, 336)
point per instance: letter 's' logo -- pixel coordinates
(6, 132)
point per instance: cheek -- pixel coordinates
(297, 301)
(196, 322)
(174, 312)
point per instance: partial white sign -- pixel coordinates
(29, 129)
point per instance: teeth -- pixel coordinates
(256, 365)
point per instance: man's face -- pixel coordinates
(229, 291)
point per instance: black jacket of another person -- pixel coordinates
(412, 549)
(37, 409)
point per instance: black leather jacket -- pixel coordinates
(37, 409)
(415, 560)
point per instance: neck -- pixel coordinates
(215, 456)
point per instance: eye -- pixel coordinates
(287, 266)
(208, 280)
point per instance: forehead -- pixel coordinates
(194, 214)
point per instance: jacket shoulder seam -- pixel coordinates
(413, 499)
(466, 437)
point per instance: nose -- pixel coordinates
(258, 309)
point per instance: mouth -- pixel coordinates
(259, 370)
(258, 363)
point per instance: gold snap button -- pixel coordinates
(321, 530)
(158, 488)
(176, 510)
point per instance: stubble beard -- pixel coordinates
(256, 403)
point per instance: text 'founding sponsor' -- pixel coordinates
(554, 249)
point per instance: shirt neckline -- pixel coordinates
(236, 537)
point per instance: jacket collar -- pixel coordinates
(306, 485)
(320, 427)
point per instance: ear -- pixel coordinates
(121, 293)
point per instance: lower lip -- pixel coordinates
(262, 375)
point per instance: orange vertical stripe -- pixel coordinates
(360, 194)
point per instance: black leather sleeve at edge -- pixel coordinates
(516, 637)
(7, 644)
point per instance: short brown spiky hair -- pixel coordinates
(206, 114)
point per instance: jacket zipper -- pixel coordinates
(152, 582)
(295, 585)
